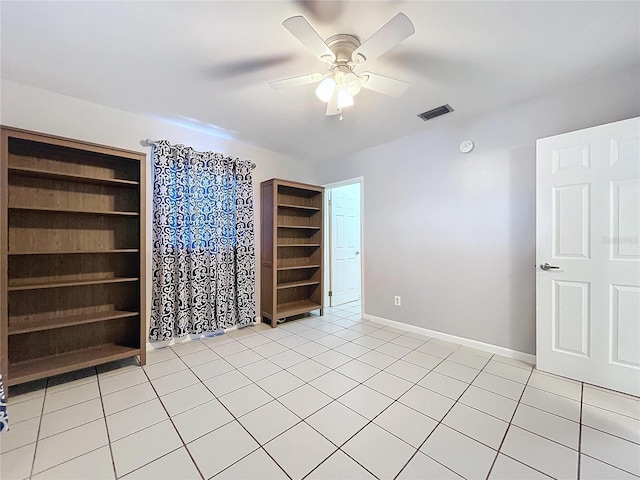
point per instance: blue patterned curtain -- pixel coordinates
(203, 242)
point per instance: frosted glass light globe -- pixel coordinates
(344, 99)
(352, 84)
(326, 88)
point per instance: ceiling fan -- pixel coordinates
(342, 53)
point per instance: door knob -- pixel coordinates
(546, 266)
(357, 252)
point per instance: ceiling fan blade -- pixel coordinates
(296, 81)
(392, 33)
(332, 105)
(306, 34)
(385, 85)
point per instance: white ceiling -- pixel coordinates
(205, 65)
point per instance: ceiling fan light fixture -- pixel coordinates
(352, 84)
(325, 89)
(342, 52)
(344, 99)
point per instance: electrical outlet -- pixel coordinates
(396, 300)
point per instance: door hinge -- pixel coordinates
(330, 293)
(329, 201)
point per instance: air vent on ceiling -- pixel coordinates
(436, 112)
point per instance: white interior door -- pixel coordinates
(588, 229)
(345, 244)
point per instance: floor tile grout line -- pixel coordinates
(170, 418)
(580, 429)
(609, 434)
(339, 449)
(504, 436)
(439, 422)
(35, 448)
(259, 447)
(613, 411)
(303, 420)
(69, 460)
(154, 460)
(526, 465)
(358, 384)
(57, 411)
(541, 409)
(617, 467)
(234, 418)
(310, 358)
(77, 456)
(590, 386)
(72, 405)
(553, 393)
(106, 428)
(86, 380)
(379, 370)
(238, 368)
(579, 422)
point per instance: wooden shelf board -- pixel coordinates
(71, 177)
(306, 227)
(300, 283)
(70, 283)
(301, 207)
(296, 308)
(73, 211)
(56, 364)
(310, 245)
(17, 328)
(298, 267)
(72, 252)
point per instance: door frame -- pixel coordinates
(327, 237)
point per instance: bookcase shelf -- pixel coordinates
(298, 267)
(70, 177)
(68, 283)
(72, 255)
(293, 245)
(303, 227)
(76, 252)
(18, 327)
(291, 250)
(73, 211)
(297, 307)
(299, 207)
(28, 370)
(299, 283)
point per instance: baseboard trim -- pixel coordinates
(188, 338)
(487, 347)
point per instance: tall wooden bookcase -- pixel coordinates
(72, 277)
(291, 249)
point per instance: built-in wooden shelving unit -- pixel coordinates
(291, 250)
(72, 252)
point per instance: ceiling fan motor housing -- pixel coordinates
(342, 45)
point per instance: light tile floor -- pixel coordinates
(320, 398)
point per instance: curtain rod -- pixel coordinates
(148, 142)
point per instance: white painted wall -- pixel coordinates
(454, 234)
(40, 110)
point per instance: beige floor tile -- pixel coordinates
(98, 462)
(145, 446)
(68, 445)
(175, 465)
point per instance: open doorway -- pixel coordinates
(343, 262)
